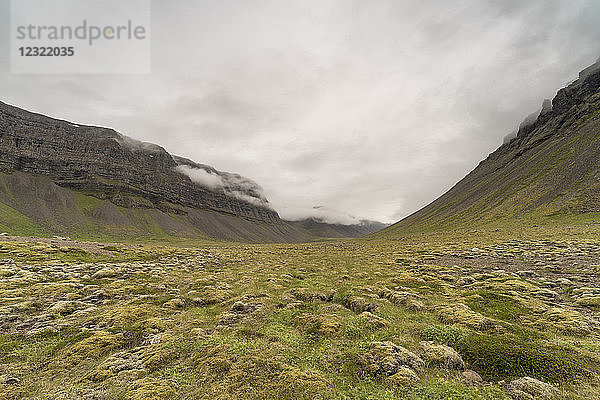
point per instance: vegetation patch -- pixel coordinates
(501, 356)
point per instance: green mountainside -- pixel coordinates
(33, 205)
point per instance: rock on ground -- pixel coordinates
(527, 388)
(441, 356)
(405, 376)
(387, 358)
(472, 376)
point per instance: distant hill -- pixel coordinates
(549, 170)
(319, 228)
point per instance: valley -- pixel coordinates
(466, 315)
(128, 272)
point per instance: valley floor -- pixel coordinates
(460, 315)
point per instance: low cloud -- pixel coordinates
(138, 145)
(233, 185)
(201, 177)
(322, 214)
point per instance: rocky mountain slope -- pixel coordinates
(549, 170)
(59, 177)
(110, 165)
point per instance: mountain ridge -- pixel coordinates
(549, 168)
(57, 177)
(34, 143)
(320, 228)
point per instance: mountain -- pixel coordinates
(549, 170)
(57, 177)
(89, 158)
(320, 228)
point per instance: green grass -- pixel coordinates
(497, 306)
(502, 356)
(309, 337)
(15, 223)
(444, 334)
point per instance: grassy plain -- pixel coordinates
(384, 318)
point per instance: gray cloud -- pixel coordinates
(323, 214)
(370, 108)
(231, 184)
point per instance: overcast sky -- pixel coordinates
(372, 108)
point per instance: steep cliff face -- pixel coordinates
(551, 168)
(108, 165)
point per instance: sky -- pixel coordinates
(369, 108)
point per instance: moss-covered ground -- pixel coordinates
(304, 321)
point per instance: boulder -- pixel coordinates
(404, 377)
(105, 273)
(462, 314)
(527, 388)
(472, 376)
(387, 358)
(441, 355)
